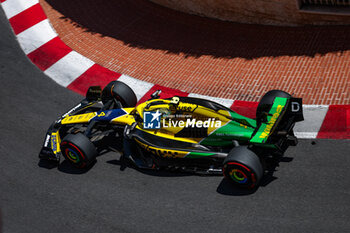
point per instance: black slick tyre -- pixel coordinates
(243, 167)
(120, 92)
(78, 150)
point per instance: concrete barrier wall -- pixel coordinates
(274, 12)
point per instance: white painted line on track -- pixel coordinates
(14, 7)
(36, 36)
(69, 68)
(139, 87)
(226, 102)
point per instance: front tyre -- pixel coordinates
(243, 167)
(78, 150)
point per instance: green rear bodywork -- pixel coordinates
(243, 129)
(240, 128)
(273, 118)
(196, 155)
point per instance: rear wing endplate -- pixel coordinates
(275, 114)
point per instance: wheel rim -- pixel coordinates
(72, 155)
(238, 176)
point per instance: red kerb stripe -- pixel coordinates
(27, 18)
(245, 108)
(336, 124)
(49, 53)
(94, 76)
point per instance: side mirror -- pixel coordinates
(156, 94)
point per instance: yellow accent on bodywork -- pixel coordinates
(142, 106)
(126, 119)
(167, 134)
(225, 113)
(101, 114)
(275, 114)
(55, 142)
(271, 123)
(80, 118)
(167, 153)
(223, 116)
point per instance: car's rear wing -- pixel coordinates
(281, 117)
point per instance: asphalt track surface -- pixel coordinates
(310, 193)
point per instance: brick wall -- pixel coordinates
(276, 12)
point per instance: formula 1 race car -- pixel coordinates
(183, 133)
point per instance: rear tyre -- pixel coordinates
(243, 167)
(266, 103)
(120, 92)
(78, 150)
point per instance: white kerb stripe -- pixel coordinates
(306, 135)
(14, 7)
(313, 119)
(139, 87)
(36, 36)
(69, 68)
(226, 102)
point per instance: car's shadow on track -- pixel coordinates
(68, 168)
(227, 188)
(47, 164)
(160, 173)
(64, 166)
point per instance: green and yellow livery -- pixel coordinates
(189, 134)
